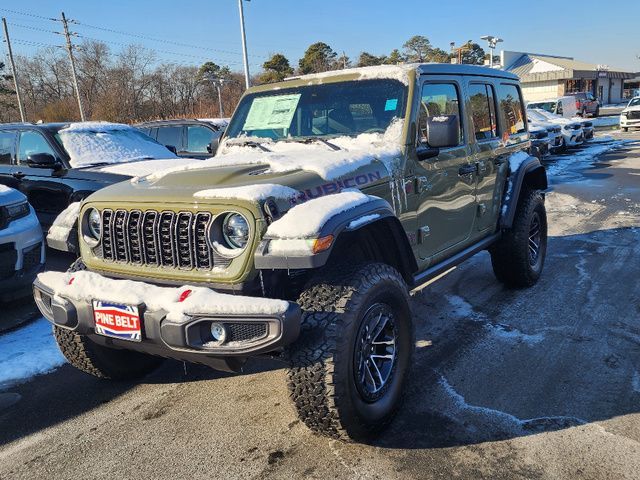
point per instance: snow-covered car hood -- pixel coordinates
(141, 168)
(9, 196)
(635, 108)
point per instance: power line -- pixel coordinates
(27, 14)
(31, 28)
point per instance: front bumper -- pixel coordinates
(626, 123)
(182, 339)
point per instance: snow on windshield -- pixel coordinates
(90, 143)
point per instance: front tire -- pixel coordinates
(349, 366)
(518, 257)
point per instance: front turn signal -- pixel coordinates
(322, 244)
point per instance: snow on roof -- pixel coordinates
(87, 286)
(329, 164)
(306, 220)
(89, 143)
(250, 193)
(218, 122)
(394, 72)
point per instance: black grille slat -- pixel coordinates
(158, 239)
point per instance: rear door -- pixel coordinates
(199, 139)
(446, 183)
(7, 158)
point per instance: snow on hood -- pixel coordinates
(635, 108)
(89, 143)
(250, 193)
(318, 158)
(64, 223)
(145, 167)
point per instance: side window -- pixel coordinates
(199, 138)
(511, 110)
(7, 147)
(483, 111)
(31, 142)
(170, 136)
(438, 100)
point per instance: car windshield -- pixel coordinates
(635, 102)
(548, 106)
(320, 111)
(536, 116)
(103, 143)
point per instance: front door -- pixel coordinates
(446, 183)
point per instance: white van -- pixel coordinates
(563, 106)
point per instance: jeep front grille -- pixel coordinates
(158, 239)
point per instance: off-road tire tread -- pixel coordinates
(326, 303)
(509, 260)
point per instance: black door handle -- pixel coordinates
(467, 169)
(18, 175)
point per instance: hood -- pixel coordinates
(635, 108)
(118, 172)
(9, 196)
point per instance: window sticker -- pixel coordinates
(271, 112)
(391, 104)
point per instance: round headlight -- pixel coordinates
(235, 230)
(94, 223)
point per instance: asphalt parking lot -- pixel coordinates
(539, 383)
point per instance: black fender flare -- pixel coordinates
(350, 220)
(531, 173)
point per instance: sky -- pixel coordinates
(193, 31)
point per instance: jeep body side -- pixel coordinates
(331, 197)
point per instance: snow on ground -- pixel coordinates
(585, 153)
(29, 351)
(90, 143)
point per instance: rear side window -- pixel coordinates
(511, 111)
(170, 136)
(483, 111)
(439, 99)
(7, 147)
(31, 143)
(199, 138)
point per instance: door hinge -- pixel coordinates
(423, 232)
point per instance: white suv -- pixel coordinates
(630, 116)
(22, 250)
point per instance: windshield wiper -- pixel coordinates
(247, 143)
(307, 140)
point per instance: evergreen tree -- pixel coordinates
(417, 49)
(438, 55)
(473, 54)
(319, 57)
(276, 69)
(394, 58)
(366, 60)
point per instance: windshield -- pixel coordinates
(634, 103)
(329, 110)
(108, 144)
(536, 116)
(548, 106)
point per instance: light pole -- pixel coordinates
(244, 44)
(492, 42)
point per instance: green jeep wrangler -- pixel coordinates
(331, 197)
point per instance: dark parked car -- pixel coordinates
(586, 103)
(56, 164)
(188, 138)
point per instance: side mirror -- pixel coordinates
(442, 131)
(172, 149)
(213, 146)
(42, 160)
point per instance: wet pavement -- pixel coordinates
(537, 383)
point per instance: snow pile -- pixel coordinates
(612, 121)
(28, 351)
(64, 223)
(392, 72)
(329, 164)
(146, 167)
(218, 122)
(306, 220)
(597, 147)
(4, 189)
(87, 286)
(89, 143)
(257, 192)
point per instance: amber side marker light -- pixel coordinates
(322, 244)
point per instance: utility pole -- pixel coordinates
(67, 35)
(244, 45)
(13, 69)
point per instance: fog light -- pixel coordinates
(218, 332)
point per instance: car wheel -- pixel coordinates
(518, 257)
(349, 366)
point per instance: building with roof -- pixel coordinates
(549, 76)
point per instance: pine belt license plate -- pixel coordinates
(117, 320)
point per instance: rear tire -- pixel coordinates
(99, 361)
(518, 257)
(345, 381)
